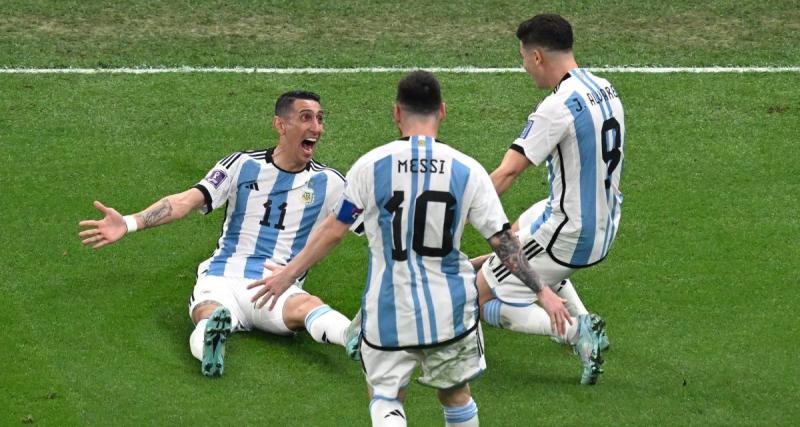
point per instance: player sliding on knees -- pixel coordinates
(274, 198)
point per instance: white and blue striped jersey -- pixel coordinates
(579, 130)
(269, 212)
(415, 195)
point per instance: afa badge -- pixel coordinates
(307, 196)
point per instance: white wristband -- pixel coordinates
(130, 221)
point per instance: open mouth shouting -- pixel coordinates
(308, 146)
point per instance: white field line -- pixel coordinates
(356, 70)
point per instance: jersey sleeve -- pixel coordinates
(217, 184)
(334, 203)
(351, 204)
(543, 131)
(486, 213)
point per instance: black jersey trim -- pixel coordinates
(566, 76)
(360, 229)
(518, 149)
(505, 227)
(317, 166)
(566, 218)
(422, 346)
(268, 158)
(206, 196)
(230, 160)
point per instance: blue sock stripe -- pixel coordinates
(460, 414)
(491, 311)
(316, 313)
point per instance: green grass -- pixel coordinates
(45, 33)
(698, 292)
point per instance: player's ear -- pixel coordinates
(442, 111)
(397, 114)
(278, 124)
(538, 56)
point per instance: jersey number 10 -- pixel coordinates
(395, 207)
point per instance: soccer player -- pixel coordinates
(415, 195)
(273, 199)
(579, 131)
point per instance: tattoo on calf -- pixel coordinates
(508, 249)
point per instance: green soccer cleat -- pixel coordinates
(605, 345)
(353, 338)
(591, 329)
(217, 330)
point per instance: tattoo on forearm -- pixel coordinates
(152, 216)
(507, 248)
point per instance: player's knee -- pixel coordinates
(484, 292)
(204, 310)
(297, 308)
(458, 396)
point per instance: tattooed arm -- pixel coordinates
(508, 249)
(113, 227)
(170, 208)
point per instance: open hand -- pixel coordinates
(105, 231)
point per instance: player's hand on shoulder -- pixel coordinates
(104, 231)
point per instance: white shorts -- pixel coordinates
(443, 367)
(507, 287)
(232, 293)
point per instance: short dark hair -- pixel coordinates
(546, 30)
(419, 92)
(285, 102)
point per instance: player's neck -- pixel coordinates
(282, 159)
(419, 127)
(560, 69)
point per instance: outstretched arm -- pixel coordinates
(321, 241)
(513, 164)
(509, 251)
(113, 226)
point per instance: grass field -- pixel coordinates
(698, 292)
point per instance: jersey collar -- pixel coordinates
(268, 159)
(408, 138)
(566, 76)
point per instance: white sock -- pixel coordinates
(461, 416)
(532, 319)
(387, 413)
(196, 339)
(327, 325)
(574, 304)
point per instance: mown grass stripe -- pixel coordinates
(362, 70)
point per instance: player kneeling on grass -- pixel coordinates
(274, 198)
(579, 131)
(420, 306)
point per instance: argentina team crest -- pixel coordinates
(307, 196)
